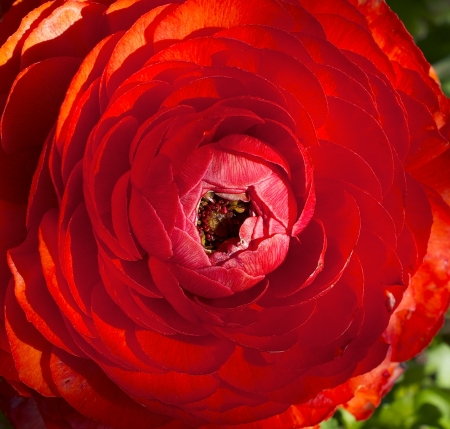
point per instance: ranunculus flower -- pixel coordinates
(215, 212)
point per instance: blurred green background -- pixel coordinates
(421, 397)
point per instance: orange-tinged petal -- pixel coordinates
(420, 314)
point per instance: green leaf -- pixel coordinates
(349, 421)
(330, 424)
(438, 398)
(438, 363)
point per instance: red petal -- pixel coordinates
(165, 314)
(233, 171)
(56, 284)
(170, 288)
(247, 370)
(338, 84)
(371, 387)
(197, 15)
(191, 355)
(339, 213)
(426, 140)
(171, 388)
(12, 14)
(101, 398)
(33, 296)
(10, 50)
(109, 163)
(148, 227)
(187, 251)
(134, 274)
(261, 259)
(400, 48)
(242, 414)
(392, 114)
(203, 285)
(12, 233)
(376, 152)
(34, 102)
(351, 167)
(204, 92)
(265, 109)
(133, 49)
(116, 331)
(418, 215)
(290, 148)
(42, 193)
(152, 313)
(231, 279)
(119, 213)
(309, 248)
(352, 36)
(434, 174)
(90, 69)
(122, 14)
(30, 350)
(78, 32)
(193, 170)
(160, 190)
(80, 265)
(420, 314)
(275, 193)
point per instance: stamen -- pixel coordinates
(219, 219)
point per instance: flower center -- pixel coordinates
(219, 219)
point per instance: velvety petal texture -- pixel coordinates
(215, 214)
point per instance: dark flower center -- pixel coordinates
(219, 219)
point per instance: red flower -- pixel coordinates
(216, 213)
